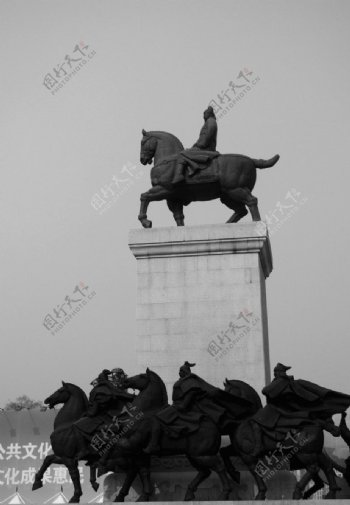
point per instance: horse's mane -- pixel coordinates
(162, 134)
(79, 391)
(155, 378)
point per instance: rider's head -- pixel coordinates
(209, 112)
(103, 376)
(118, 377)
(280, 370)
(185, 369)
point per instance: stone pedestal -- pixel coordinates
(201, 297)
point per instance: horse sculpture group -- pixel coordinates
(129, 436)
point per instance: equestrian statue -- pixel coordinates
(181, 176)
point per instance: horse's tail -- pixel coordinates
(266, 163)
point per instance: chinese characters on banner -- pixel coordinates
(31, 454)
(282, 212)
(236, 90)
(225, 340)
(119, 184)
(69, 67)
(70, 307)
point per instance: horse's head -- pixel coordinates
(62, 395)
(243, 390)
(158, 145)
(152, 390)
(148, 147)
(139, 382)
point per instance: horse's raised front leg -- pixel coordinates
(154, 194)
(176, 208)
(49, 460)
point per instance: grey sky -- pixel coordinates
(157, 66)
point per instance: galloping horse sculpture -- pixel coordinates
(305, 451)
(75, 404)
(201, 446)
(230, 177)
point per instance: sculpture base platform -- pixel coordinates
(253, 502)
(201, 297)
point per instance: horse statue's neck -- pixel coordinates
(167, 145)
(154, 396)
(73, 409)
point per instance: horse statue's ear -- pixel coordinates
(226, 382)
(148, 371)
(63, 383)
(144, 132)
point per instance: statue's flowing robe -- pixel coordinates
(292, 403)
(105, 401)
(202, 399)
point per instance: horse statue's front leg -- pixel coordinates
(156, 193)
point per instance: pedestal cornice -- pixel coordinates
(203, 240)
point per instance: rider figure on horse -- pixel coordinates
(108, 397)
(193, 399)
(193, 158)
(292, 404)
(305, 399)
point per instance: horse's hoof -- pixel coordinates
(143, 497)
(119, 498)
(95, 485)
(37, 484)
(224, 496)
(331, 495)
(189, 496)
(260, 496)
(297, 495)
(74, 499)
(147, 223)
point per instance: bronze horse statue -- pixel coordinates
(230, 177)
(305, 451)
(75, 404)
(200, 446)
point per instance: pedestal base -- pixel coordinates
(201, 297)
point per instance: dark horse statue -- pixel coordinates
(230, 177)
(200, 445)
(305, 451)
(75, 404)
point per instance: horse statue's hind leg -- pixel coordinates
(311, 474)
(239, 209)
(243, 196)
(204, 465)
(327, 467)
